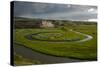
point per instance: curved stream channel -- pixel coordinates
(33, 55)
(88, 37)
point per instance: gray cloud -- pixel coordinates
(54, 11)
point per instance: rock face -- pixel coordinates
(46, 24)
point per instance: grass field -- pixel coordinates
(57, 35)
(20, 60)
(83, 50)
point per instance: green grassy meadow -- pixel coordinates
(77, 50)
(58, 41)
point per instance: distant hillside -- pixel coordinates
(20, 22)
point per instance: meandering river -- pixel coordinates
(33, 55)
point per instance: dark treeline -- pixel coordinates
(35, 23)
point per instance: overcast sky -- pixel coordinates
(54, 11)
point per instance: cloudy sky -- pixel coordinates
(55, 11)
